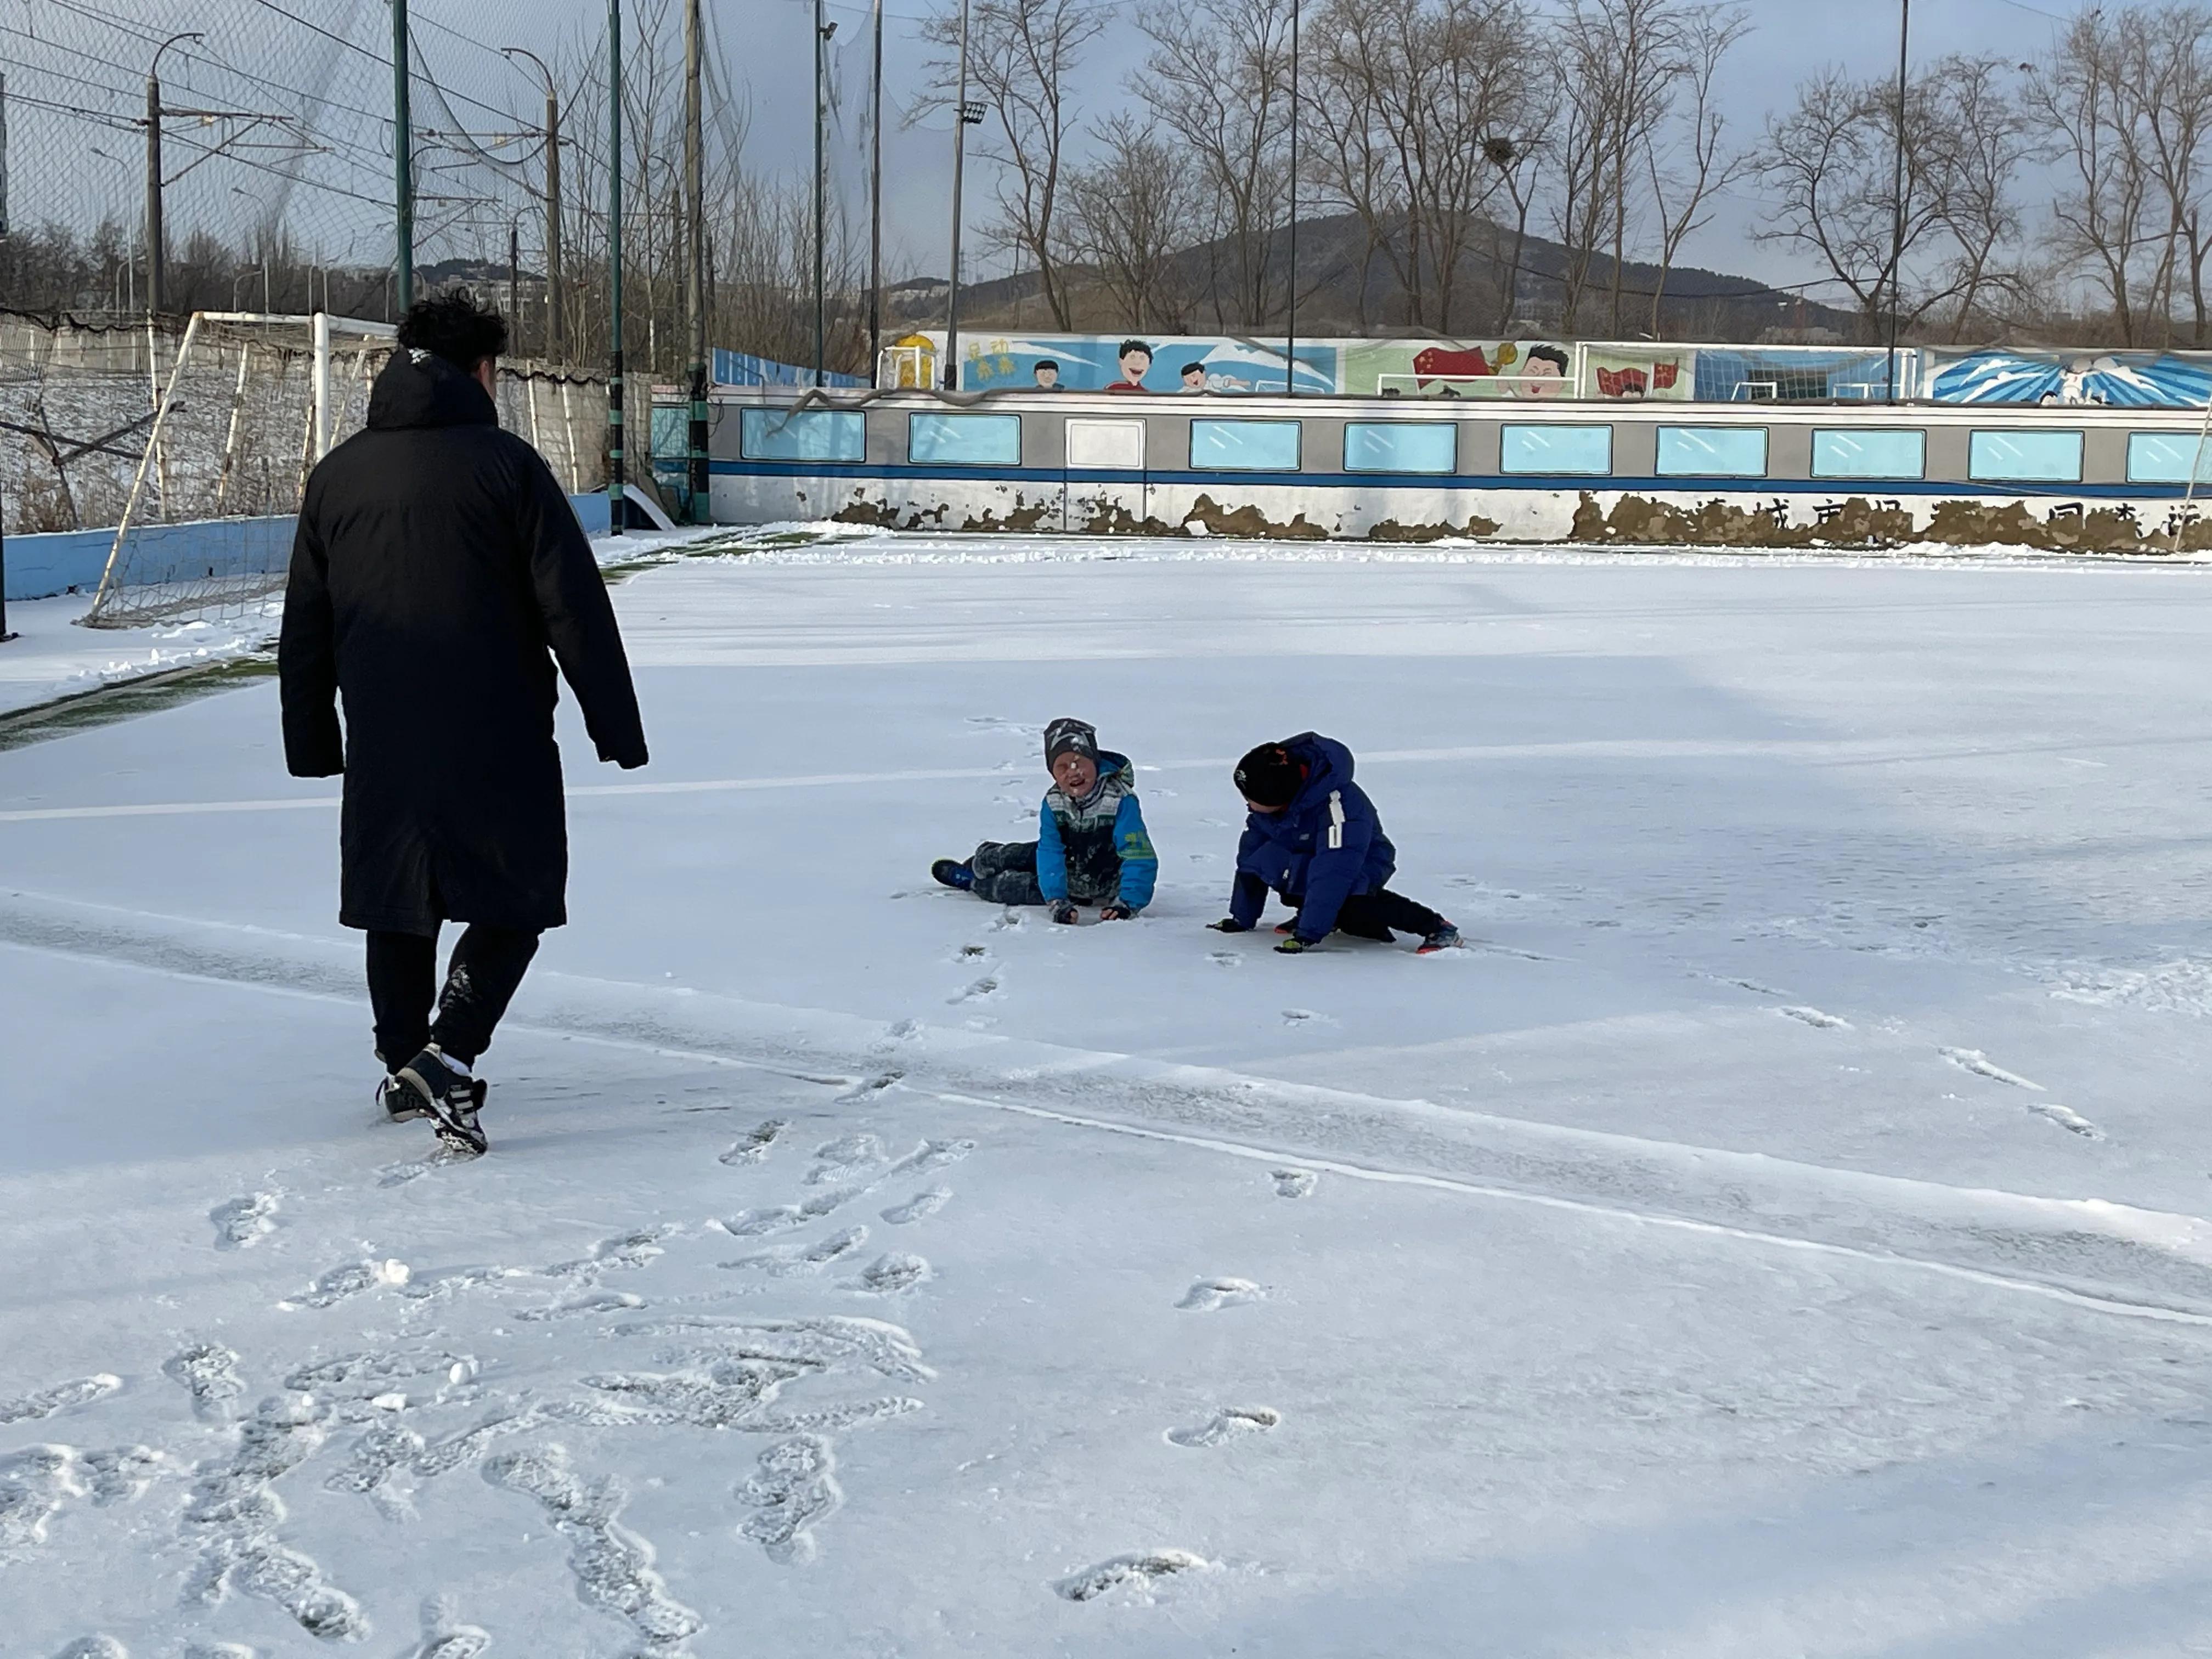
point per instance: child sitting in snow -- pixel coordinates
(1315, 840)
(1091, 847)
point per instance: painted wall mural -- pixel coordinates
(1232, 364)
(2120, 380)
(1090, 363)
(1601, 372)
(1454, 368)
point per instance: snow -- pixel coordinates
(52, 657)
(1783, 1232)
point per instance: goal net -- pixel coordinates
(248, 405)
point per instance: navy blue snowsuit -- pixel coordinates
(1326, 847)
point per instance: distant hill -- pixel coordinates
(1346, 288)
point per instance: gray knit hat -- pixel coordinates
(1070, 737)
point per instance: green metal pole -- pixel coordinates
(403, 160)
(695, 484)
(615, 267)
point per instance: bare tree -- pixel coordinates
(1828, 165)
(2169, 54)
(1982, 146)
(1129, 213)
(1521, 175)
(1685, 164)
(1217, 78)
(1402, 97)
(2084, 99)
(1624, 63)
(1021, 59)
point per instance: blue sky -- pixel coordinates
(766, 46)
(1792, 40)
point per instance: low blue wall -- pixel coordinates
(40, 566)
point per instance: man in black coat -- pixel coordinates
(436, 564)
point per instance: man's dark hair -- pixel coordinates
(1128, 346)
(1193, 369)
(1044, 363)
(1550, 355)
(454, 326)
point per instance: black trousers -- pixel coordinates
(487, 967)
(1372, 915)
(1005, 872)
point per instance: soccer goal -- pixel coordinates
(248, 405)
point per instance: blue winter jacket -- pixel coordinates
(1325, 847)
(1096, 850)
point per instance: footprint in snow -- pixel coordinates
(1974, 1060)
(2067, 1118)
(209, 1373)
(444, 1638)
(1224, 959)
(1136, 1572)
(794, 1487)
(892, 1274)
(241, 1223)
(1295, 1183)
(62, 1396)
(921, 1207)
(1229, 1423)
(336, 1285)
(398, 1175)
(838, 1161)
(1815, 1019)
(1208, 1294)
(755, 1146)
(786, 1260)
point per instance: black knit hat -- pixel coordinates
(1070, 737)
(1269, 776)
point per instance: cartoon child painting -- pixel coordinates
(1543, 374)
(2074, 386)
(1193, 377)
(1136, 360)
(1046, 372)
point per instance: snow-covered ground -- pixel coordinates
(1784, 1233)
(52, 657)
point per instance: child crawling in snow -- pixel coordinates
(1091, 846)
(1316, 842)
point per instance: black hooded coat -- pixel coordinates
(436, 564)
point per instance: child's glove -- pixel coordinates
(1229, 925)
(1293, 947)
(1116, 911)
(1064, 911)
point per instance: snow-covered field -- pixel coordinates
(1784, 1233)
(52, 657)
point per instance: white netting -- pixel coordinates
(204, 511)
(248, 405)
